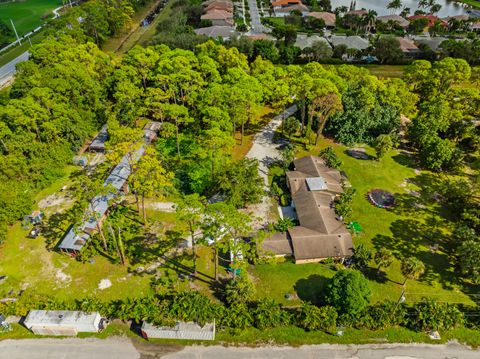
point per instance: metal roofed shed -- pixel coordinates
(72, 242)
(63, 322)
(98, 143)
(181, 330)
(316, 184)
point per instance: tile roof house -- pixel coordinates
(320, 234)
(432, 42)
(402, 22)
(220, 5)
(431, 19)
(360, 12)
(352, 42)
(304, 41)
(216, 32)
(328, 18)
(278, 4)
(285, 11)
(408, 48)
(219, 17)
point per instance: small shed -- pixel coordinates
(63, 322)
(35, 217)
(181, 330)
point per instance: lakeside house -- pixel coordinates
(320, 234)
(63, 322)
(400, 21)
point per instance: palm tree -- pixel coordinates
(369, 19)
(405, 12)
(423, 4)
(435, 8)
(383, 258)
(412, 268)
(394, 5)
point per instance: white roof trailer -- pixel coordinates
(63, 322)
(181, 330)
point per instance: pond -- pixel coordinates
(449, 8)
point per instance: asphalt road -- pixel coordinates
(256, 24)
(122, 348)
(8, 71)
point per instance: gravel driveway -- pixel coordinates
(265, 151)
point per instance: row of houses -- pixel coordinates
(320, 233)
(220, 14)
(116, 184)
(70, 323)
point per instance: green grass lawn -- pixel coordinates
(407, 230)
(27, 14)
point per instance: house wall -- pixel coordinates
(56, 331)
(221, 22)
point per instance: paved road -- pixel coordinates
(122, 348)
(396, 351)
(265, 151)
(112, 348)
(7, 71)
(256, 24)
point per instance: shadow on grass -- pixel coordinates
(405, 159)
(311, 289)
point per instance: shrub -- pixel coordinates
(330, 157)
(431, 315)
(312, 317)
(268, 314)
(239, 291)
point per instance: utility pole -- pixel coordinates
(15, 30)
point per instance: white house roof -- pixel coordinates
(60, 318)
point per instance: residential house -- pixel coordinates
(219, 17)
(431, 20)
(360, 12)
(352, 42)
(409, 49)
(303, 41)
(280, 4)
(432, 42)
(285, 11)
(328, 18)
(63, 322)
(402, 22)
(320, 234)
(219, 5)
(217, 32)
(181, 330)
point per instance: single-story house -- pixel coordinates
(320, 234)
(63, 322)
(432, 42)
(431, 19)
(285, 11)
(328, 18)
(181, 330)
(352, 42)
(220, 5)
(217, 32)
(219, 17)
(279, 4)
(98, 143)
(402, 22)
(456, 17)
(408, 48)
(304, 41)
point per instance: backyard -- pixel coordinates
(416, 226)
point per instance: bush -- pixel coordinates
(268, 314)
(312, 318)
(239, 291)
(348, 291)
(431, 315)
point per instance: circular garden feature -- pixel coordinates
(381, 198)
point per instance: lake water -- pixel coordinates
(380, 6)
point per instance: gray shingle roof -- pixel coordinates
(352, 42)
